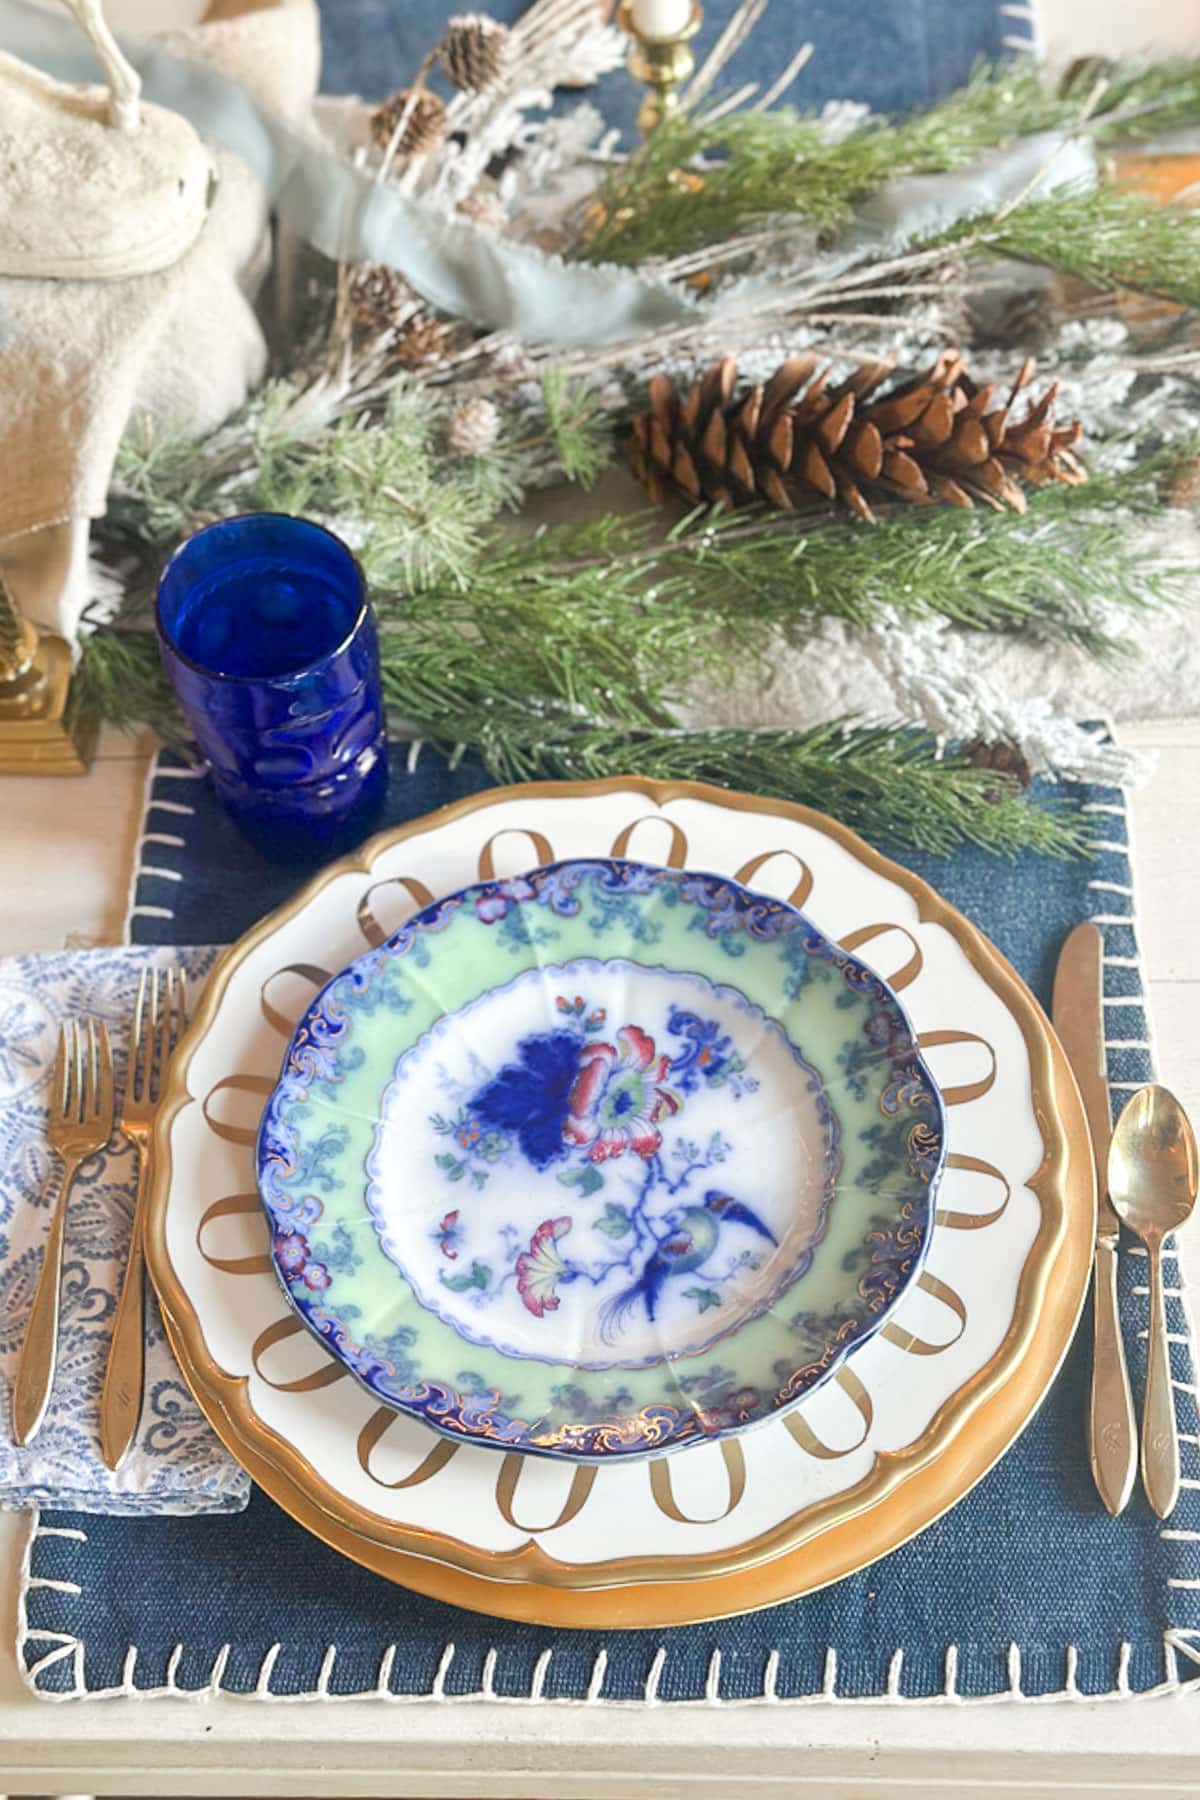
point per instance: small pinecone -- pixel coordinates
(484, 207)
(474, 427)
(426, 127)
(938, 437)
(199, 521)
(474, 51)
(1002, 756)
(377, 296)
(420, 340)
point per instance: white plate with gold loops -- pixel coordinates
(860, 1465)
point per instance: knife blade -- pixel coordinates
(1078, 1014)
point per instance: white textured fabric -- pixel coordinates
(80, 359)
(840, 672)
(176, 1464)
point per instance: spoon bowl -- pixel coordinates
(1153, 1172)
(1152, 1181)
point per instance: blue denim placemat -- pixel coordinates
(890, 57)
(1027, 1586)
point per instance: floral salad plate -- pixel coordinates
(600, 1160)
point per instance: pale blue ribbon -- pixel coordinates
(472, 274)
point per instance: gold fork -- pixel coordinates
(158, 1017)
(80, 1124)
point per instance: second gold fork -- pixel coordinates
(158, 1017)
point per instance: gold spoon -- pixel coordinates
(1152, 1181)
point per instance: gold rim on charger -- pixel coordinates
(904, 1491)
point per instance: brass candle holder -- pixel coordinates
(43, 731)
(661, 64)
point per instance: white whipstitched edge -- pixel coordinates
(1020, 25)
(1183, 1286)
(62, 1647)
(156, 835)
(58, 1647)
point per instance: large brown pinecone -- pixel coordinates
(938, 437)
(425, 128)
(474, 51)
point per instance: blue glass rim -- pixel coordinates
(219, 525)
(454, 1422)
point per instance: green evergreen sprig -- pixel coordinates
(890, 782)
(760, 165)
(1110, 238)
(383, 478)
(569, 651)
(1062, 572)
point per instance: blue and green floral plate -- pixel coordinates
(600, 1161)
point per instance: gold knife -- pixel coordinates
(1078, 1011)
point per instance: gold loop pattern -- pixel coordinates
(261, 1085)
(233, 1206)
(807, 1438)
(376, 1428)
(308, 972)
(582, 1483)
(866, 934)
(369, 925)
(734, 1458)
(487, 858)
(803, 887)
(969, 1090)
(965, 1221)
(278, 1333)
(906, 1340)
(676, 855)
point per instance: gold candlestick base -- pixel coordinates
(662, 64)
(42, 728)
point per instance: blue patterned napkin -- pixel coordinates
(176, 1464)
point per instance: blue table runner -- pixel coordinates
(1027, 1587)
(892, 58)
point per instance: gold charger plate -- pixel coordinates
(905, 1492)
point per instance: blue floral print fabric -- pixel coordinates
(176, 1465)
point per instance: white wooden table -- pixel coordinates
(67, 854)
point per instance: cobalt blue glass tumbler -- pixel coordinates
(269, 640)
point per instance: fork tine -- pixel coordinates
(104, 1101)
(91, 1072)
(137, 1059)
(62, 1069)
(78, 1104)
(166, 1012)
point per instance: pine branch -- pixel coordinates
(1108, 237)
(607, 623)
(752, 165)
(120, 679)
(1061, 573)
(579, 430)
(780, 161)
(887, 782)
(1144, 99)
(383, 478)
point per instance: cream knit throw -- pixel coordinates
(80, 359)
